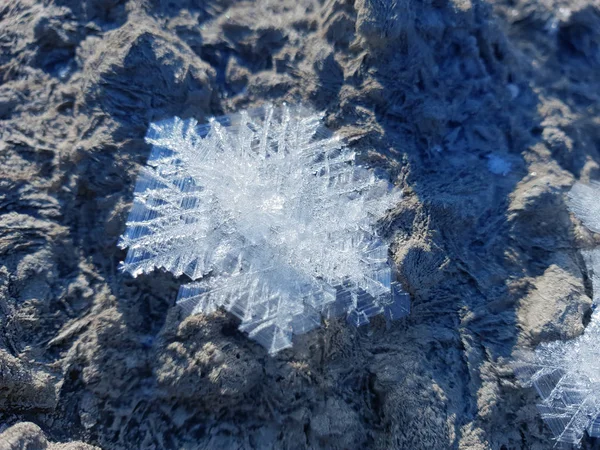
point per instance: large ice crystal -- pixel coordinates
(270, 215)
(566, 374)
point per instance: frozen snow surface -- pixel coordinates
(566, 374)
(272, 218)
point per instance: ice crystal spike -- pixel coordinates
(584, 203)
(271, 217)
(566, 375)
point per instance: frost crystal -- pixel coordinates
(272, 216)
(498, 165)
(585, 204)
(566, 375)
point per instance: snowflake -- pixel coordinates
(566, 375)
(270, 216)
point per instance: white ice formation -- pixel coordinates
(566, 374)
(270, 216)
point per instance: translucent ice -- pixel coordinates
(498, 165)
(566, 375)
(270, 216)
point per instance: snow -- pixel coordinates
(270, 216)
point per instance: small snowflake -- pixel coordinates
(271, 215)
(566, 374)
